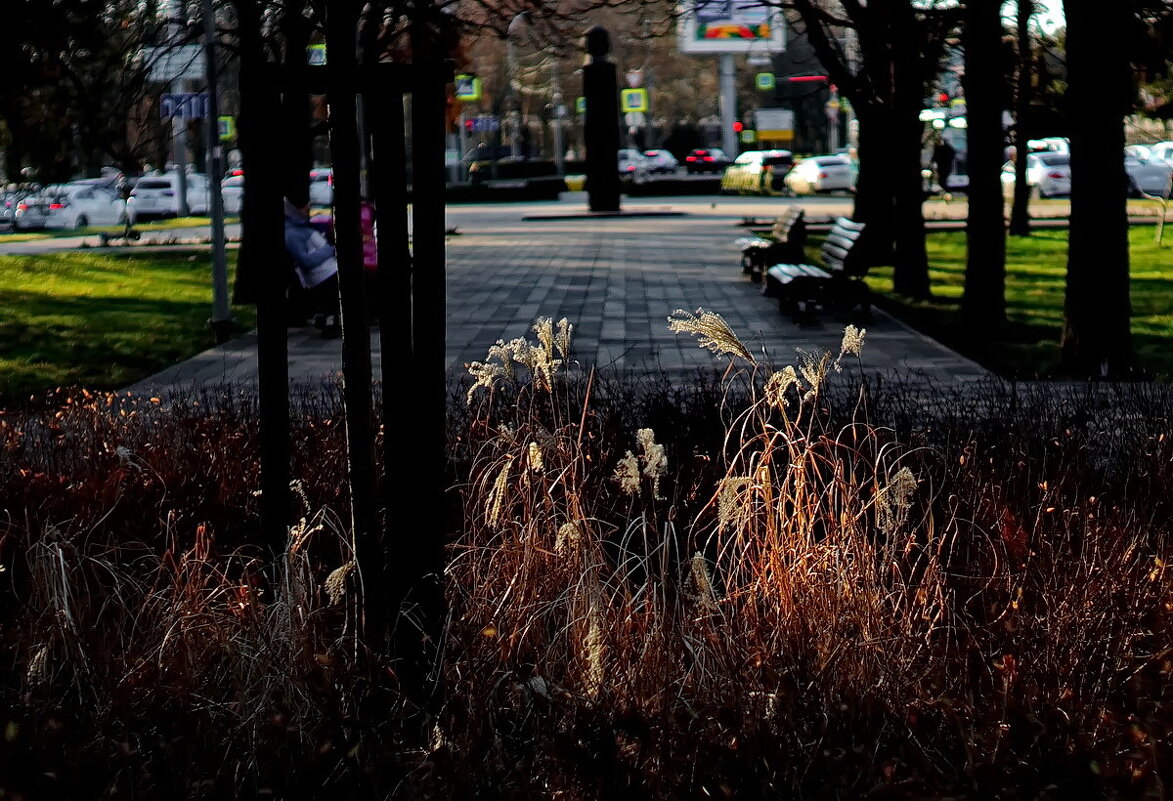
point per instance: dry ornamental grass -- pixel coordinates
(795, 583)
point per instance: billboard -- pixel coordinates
(730, 26)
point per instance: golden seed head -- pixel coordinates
(711, 330)
(627, 474)
(778, 384)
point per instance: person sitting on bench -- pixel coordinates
(314, 288)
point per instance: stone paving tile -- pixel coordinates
(617, 280)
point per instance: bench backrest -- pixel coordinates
(838, 245)
(784, 225)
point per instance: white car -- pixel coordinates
(1048, 174)
(821, 174)
(72, 205)
(633, 165)
(1049, 144)
(1162, 150)
(232, 193)
(1152, 175)
(661, 161)
(322, 187)
(157, 195)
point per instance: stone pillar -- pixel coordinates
(601, 127)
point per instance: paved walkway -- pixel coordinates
(617, 280)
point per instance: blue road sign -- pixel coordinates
(189, 106)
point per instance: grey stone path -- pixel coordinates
(616, 281)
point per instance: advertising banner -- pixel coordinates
(730, 26)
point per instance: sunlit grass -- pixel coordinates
(153, 225)
(1036, 274)
(101, 320)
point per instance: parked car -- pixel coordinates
(73, 205)
(661, 161)
(321, 187)
(758, 172)
(1150, 176)
(232, 192)
(1047, 174)
(157, 195)
(10, 198)
(1049, 144)
(1162, 150)
(815, 174)
(633, 166)
(707, 159)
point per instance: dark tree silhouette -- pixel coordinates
(1097, 339)
(983, 304)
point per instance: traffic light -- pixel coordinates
(737, 127)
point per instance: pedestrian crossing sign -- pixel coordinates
(633, 100)
(468, 87)
(226, 127)
(764, 81)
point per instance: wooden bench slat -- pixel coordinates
(802, 288)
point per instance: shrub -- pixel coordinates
(769, 583)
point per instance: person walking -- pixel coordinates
(943, 156)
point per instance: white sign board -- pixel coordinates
(774, 119)
(178, 62)
(730, 26)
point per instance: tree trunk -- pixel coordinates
(262, 271)
(1020, 211)
(873, 192)
(342, 92)
(297, 142)
(910, 273)
(983, 304)
(1097, 340)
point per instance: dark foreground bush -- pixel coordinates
(784, 584)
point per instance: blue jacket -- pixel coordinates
(313, 257)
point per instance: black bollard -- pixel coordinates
(601, 126)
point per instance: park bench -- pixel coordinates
(801, 289)
(785, 243)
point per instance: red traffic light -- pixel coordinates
(737, 127)
(942, 98)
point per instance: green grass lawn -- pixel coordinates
(146, 227)
(101, 320)
(1036, 269)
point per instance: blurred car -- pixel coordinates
(758, 172)
(1162, 150)
(322, 187)
(661, 161)
(815, 174)
(1150, 176)
(1138, 151)
(157, 195)
(1049, 144)
(232, 192)
(1047, 174)
(73, 205)
(633, 166)
(707, 159)
(9, 200)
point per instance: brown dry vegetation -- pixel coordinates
(791, 583)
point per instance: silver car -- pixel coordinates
(73, 205)
(1047, 175)
(1150, 176)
